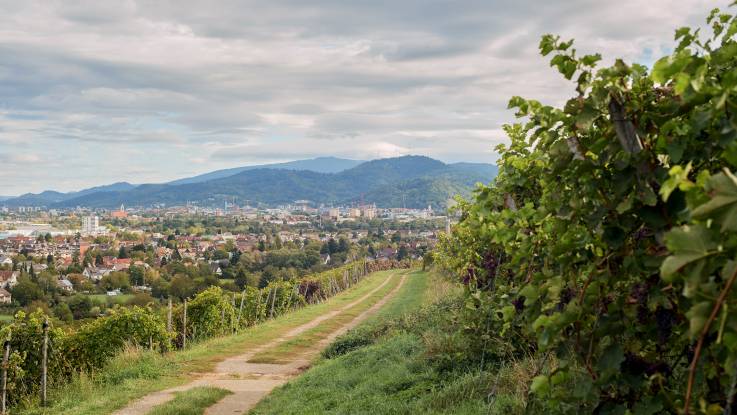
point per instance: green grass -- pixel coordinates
(410, 297)
(136, 373)
(403, 361)
(6, 318)
(386, 378)
(192, 402)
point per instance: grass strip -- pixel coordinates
(289, 349)
(192, 402)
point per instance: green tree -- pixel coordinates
(181, 286)
(402, 252)
(137, 274)
(63, 312)
(79, 305)
(115, 280)
(26, 291)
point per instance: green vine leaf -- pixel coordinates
(610, 360)
(688, 244)
(677, 179)
(723, 205)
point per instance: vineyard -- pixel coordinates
(607, 246)
(211, 313)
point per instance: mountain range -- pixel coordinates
(410, 181)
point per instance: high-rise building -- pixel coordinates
(368, 212)
(334, 213)
(90, 224)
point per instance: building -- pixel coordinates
(5, 297)
(368, 213)
(65, 285)
(333, 213)
(119, 214)
(354, 213)
(83, 248)
(90, 225)
(8, 278)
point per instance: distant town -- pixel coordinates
(76, 263)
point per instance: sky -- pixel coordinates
(96, 92)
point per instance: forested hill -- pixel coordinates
(410, 181)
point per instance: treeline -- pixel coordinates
(607, 246)
(212, 312)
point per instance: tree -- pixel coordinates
(123, 253)
(115, 280)
(241, 279)
(48, 282)
(63, 312)
(181, 286)
(343, 245)
(137, 274)
(402, 253)
(26, 291)
(80, 306)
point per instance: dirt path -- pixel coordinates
(250, 382)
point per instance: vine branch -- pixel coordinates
(697, 352)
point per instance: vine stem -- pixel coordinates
(702, 338)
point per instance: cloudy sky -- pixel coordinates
(93, 92)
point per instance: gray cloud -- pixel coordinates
(149, 90)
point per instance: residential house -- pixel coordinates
(8, 279)
(96, 274)
(39, 268)
(65, 285)
(215, 268)
(6, 260)
(5, 297)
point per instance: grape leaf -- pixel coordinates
(723, 205)
(688, 244)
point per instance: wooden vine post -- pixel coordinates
(240, 312)
(257, 307)
(184, 326)
(6, 357)
(222, 318)
(44, 360)
(168, 317)
(273, 300)
(266, 303)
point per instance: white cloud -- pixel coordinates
(150, 90)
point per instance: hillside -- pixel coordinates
(411, 181)
(318, 164)
(51, 197)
